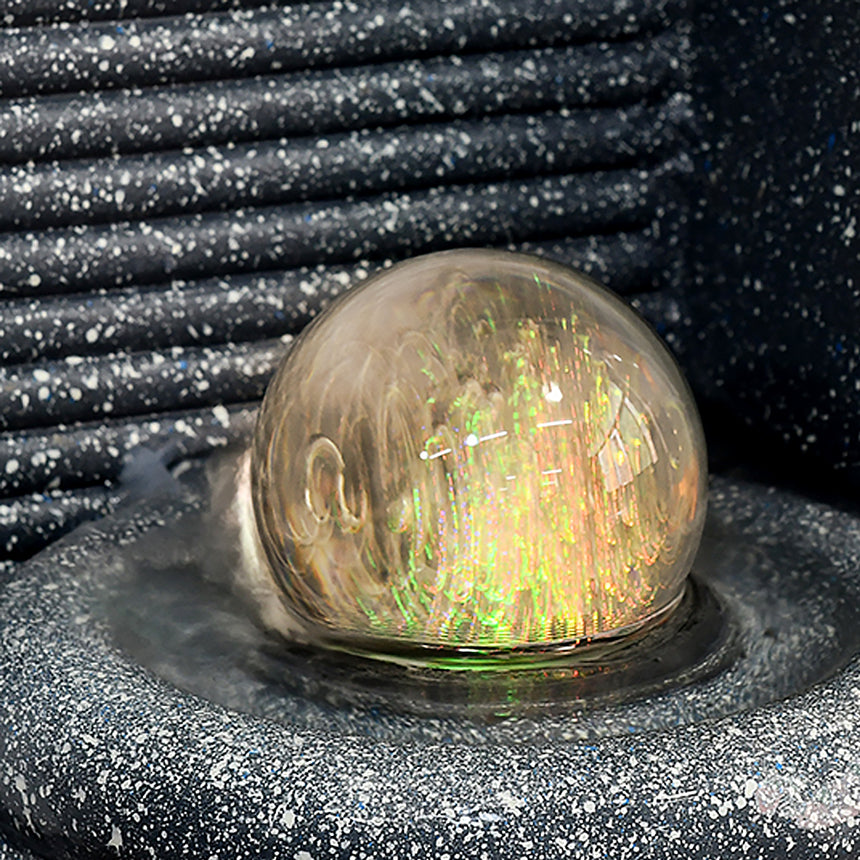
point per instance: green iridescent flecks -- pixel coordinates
(478, 451)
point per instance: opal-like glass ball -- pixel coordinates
(477, 450)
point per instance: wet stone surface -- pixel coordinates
(100, 749)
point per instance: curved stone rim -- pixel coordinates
(129, 765)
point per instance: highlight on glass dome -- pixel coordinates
(475, 452)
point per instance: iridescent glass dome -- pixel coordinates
(478, 450)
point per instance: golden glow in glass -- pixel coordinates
(477, 450)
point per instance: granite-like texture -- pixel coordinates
(7, 852)
(37, 195)
(131, 53)
(104, 758)
(266, 305)
(335, 100)
(771, 320)
(767, 325)
(86, 258)
(29, 12)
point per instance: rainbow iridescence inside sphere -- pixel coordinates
(478, 450)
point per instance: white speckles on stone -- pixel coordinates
(115, 840)
(154, 736)
(26, 799)
(790, 224)
(273, 777)
(221, 415)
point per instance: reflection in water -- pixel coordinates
(792, 621)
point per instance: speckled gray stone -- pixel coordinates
(766, 320)
(7, 852)
(263, 306)
(101, 756)
(87, 257)
(250, 42)
(89, 387)
(29, 12)
(317, 102)
(75, 456)
(770, 324)
(364, 162)
(27, 523)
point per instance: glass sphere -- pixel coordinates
(477, 450)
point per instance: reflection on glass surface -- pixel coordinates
(480, 451)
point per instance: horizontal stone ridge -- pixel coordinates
(247, 42)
